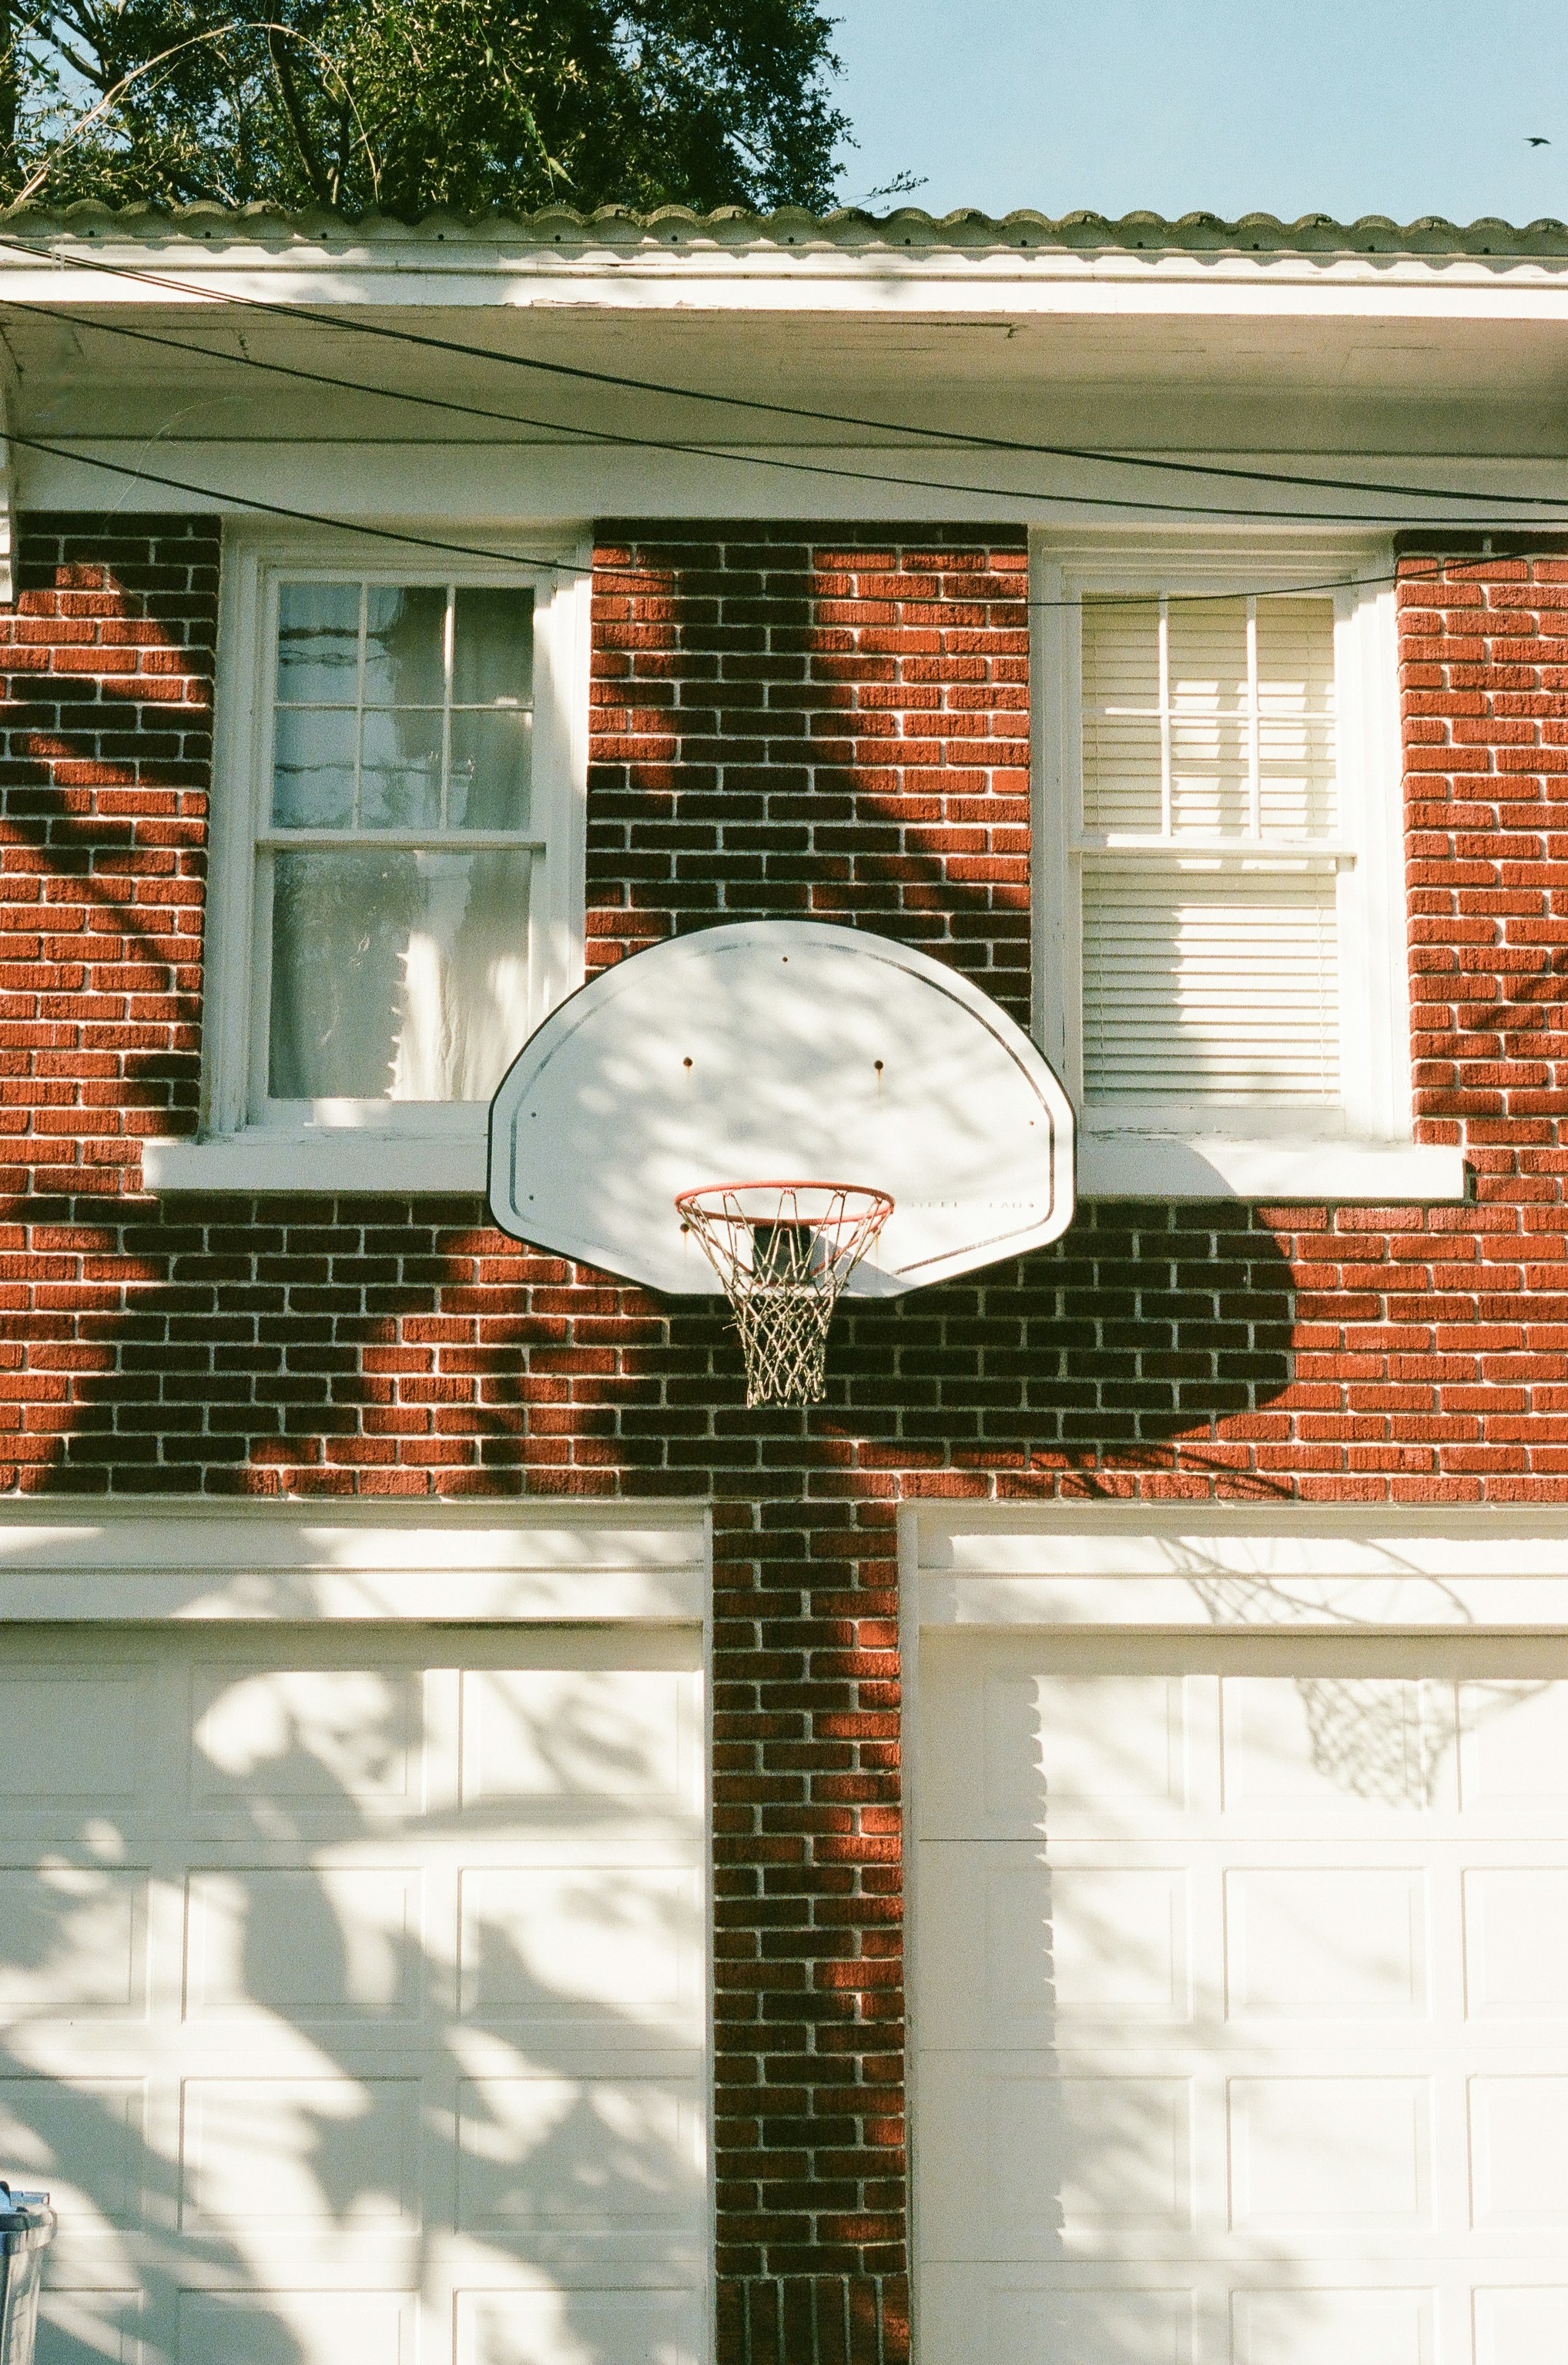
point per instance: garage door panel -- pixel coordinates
(73, 1934)
(1516, 1942)
(1329, 1943)
(614, 1947)
(333, 1944)
(82, 2141)
(330, 2154)
(1339, 1747)
(1039, 2164)
(562, 2327)
(1520, 2326)
(1097, 2328)
(1049, 1742)
(325, 1743)
(303, 2328)
(1010, 2320)
(581, 1736)
(1514, 1745)
(73, 1741)
(90, 2327)
(1038, 1950)
(1316, 2151)
(1519, 2139)
(1299, 2325)
(577, 2153)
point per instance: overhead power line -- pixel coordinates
(630, 440)
(962, 437)
(657, 581)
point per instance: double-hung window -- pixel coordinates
(399, 896)
(1224, 966)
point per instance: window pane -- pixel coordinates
(492, 650)
(1208, 656)
(1221, 988)
(490, 759)
(404, 633)
(1211, 775)
(317, 643)
(1295, 717)
(1121, 715)
(397, 976)
(313, 768)
(1211, 732)
(400, 779)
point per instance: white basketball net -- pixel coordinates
(783, 1252)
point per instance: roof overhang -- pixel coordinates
(1199, 338)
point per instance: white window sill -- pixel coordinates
(319, 1158)
(1213, 1166)
(1110, 1166)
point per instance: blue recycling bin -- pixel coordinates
(26, 2229)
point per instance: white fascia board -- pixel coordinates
(1237, 1568)
(1197, 286)
(601, 480)
(540, 478)
(556, 1561)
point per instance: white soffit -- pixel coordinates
(1178, 1566)
(553, 1562)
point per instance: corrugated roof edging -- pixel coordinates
(850, 230)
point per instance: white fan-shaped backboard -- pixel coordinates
(783, 1050)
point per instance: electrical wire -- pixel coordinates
(657, 581)
(625, 383)
(723, 453)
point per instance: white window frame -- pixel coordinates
(382, 1146)
(1363, 1148)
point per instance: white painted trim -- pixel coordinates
(323, 1157)
(1207, 1166)
(428, 489)
(1110, 1166)
(552, 1561)
(1240, 1568)
(255, 555)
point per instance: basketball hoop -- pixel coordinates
(783, 1252)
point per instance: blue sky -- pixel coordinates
(1287, 106)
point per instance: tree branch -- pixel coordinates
(294, 108)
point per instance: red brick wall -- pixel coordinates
(103, 790)
(852, 747)
(793, 725)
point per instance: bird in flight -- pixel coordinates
(1536, 140)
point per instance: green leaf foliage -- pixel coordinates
(404, 105)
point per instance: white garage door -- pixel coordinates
(353, 1988)
(1242, 2002)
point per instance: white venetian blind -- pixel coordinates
(1211, 959)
